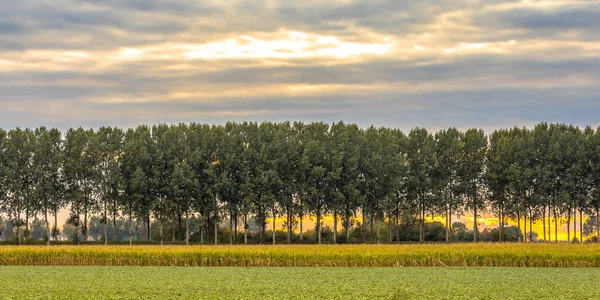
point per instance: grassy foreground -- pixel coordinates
(456, 255)
(296, 283)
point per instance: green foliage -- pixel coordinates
(247, 173)
(296, 283)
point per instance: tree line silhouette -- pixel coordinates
(241, 171)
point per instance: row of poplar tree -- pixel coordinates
(289, 170)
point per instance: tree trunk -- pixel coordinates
(105, 225)
(397, 225)
(544, 221)
(519, 224)
(85, 225)
(378, 237)
(148, 227)
(422, 223)
(371, 231)
(525, 224)
(319, 226)
(130, 228)
(26, 234)
(364, 227)
(530, 225)
(335, 227)
(549, 223)
(301, 217)
(47, 227)
(55, 225)
(235, 226)
(574, 220)
(555, 226)
(598, 225)
(245, 228)
(160, 223)
(173, 230)
(230, 227)
(569, 225)
(274, 219)
(450, 217)
(216, 230)
(500, 223)
(447, 228)
(580, 226)
(389, 226)
(18, 227)
(115, 221)
(201, 229)
(187, 229)
(475, 218)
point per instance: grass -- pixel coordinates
(296, 283)
(455, 255)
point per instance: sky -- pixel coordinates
(397, 63)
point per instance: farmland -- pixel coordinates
(296, 283)
(426, 255)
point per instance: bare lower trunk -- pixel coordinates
(216, 230)
(55, 225)
(130, 228)
(187, 229)
(301, 233)
(500, 223)
(245, 229)
(598, 225)
(555, 226)
(525, 224)
(235, 227)
(378, 236)
(397, 225)
(447, 227)
(475, 221)
(569, 226)
(230, 227)
(274, 219)
(160, 223)
(85, 226)
(200, 216)
(289, 227)
(114, 221)
(364, 227)
(450, 218)
(319, 226)
(574, 221)
(47, 227)
(544, 221)
(581, 226)
(549, 223)
(390, 226)
(422, 224)
(301, 217)
(335, 228)
(26, 234)
(530, 226)
(148, 227)
(105, 225)
(519, 224)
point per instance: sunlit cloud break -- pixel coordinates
(485, 64)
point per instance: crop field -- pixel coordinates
(429, 255)
(297, 283)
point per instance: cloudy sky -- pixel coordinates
(398, 63)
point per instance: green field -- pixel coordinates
(296, 283)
